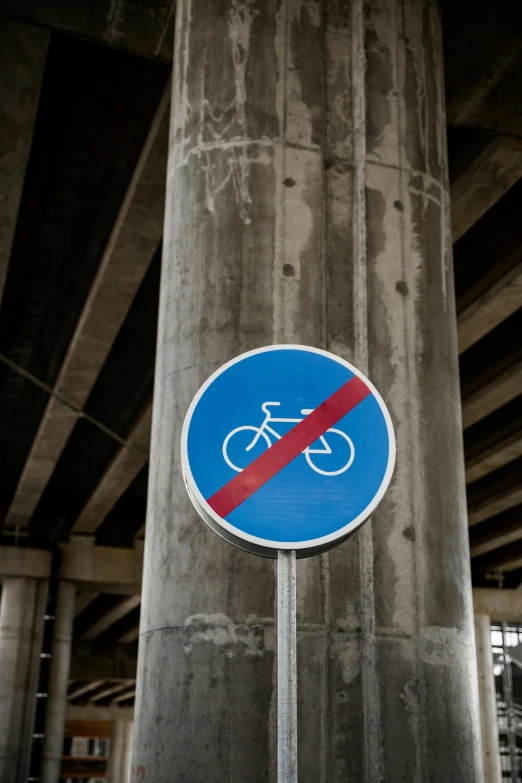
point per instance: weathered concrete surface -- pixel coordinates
(306, 203)
(58, 682)
(22, 612)
(488, 700)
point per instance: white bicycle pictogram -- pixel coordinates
(265, 431)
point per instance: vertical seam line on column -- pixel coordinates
(325, 558)
(359, 195)
(421, 751)
(324, 214)
(281, 240)
(372, 730)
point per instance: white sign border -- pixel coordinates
(316, 544)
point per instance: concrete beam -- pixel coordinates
(111, 617)
(83, 600)
(100, 569)
(503, 388)
(23, 51)
(495, 542)
(500, 561)
(83, 689)
(124, 696)
(111, 691)
(498, 604)
(144, 29)
(130, 636)
(117, 665)
(497, 532)
(131, 247)
(20, 561)
(484, 182)
(490, 309)
(497, 502)
(91, 712)
(497, 455)
(509, 564)
(118, 477)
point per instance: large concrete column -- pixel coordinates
(307, 201)
(58, 682)
(22, 612)
(118, 768)
(488, 700)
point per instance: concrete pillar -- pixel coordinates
(58, 682)
(22, 612)
(307, 202)
(118, 768)
(488, 700)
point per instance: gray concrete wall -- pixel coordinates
(22, 612)
(307, 202)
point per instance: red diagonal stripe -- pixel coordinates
(265, 467)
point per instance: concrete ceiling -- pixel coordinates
(79, 280)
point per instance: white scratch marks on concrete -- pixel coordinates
(223, 142)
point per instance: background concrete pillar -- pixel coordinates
(118, 768)
(58, 682)
(307, 202)
(488, 700)
(22, 612)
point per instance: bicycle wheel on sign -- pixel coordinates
(340, 459)
(239, 449)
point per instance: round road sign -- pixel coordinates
(287, 447)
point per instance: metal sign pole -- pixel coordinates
(286, 668)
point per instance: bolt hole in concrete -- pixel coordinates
(288, 270)
(399, 206)
(289, 182)
(401, 287)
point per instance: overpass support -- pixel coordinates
(307, 202)
(22, 612)
(488, 700)
(58, 682)
(119, 767)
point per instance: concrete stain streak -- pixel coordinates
(446, 646)
(222, 631)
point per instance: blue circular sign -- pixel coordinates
(287, 447)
